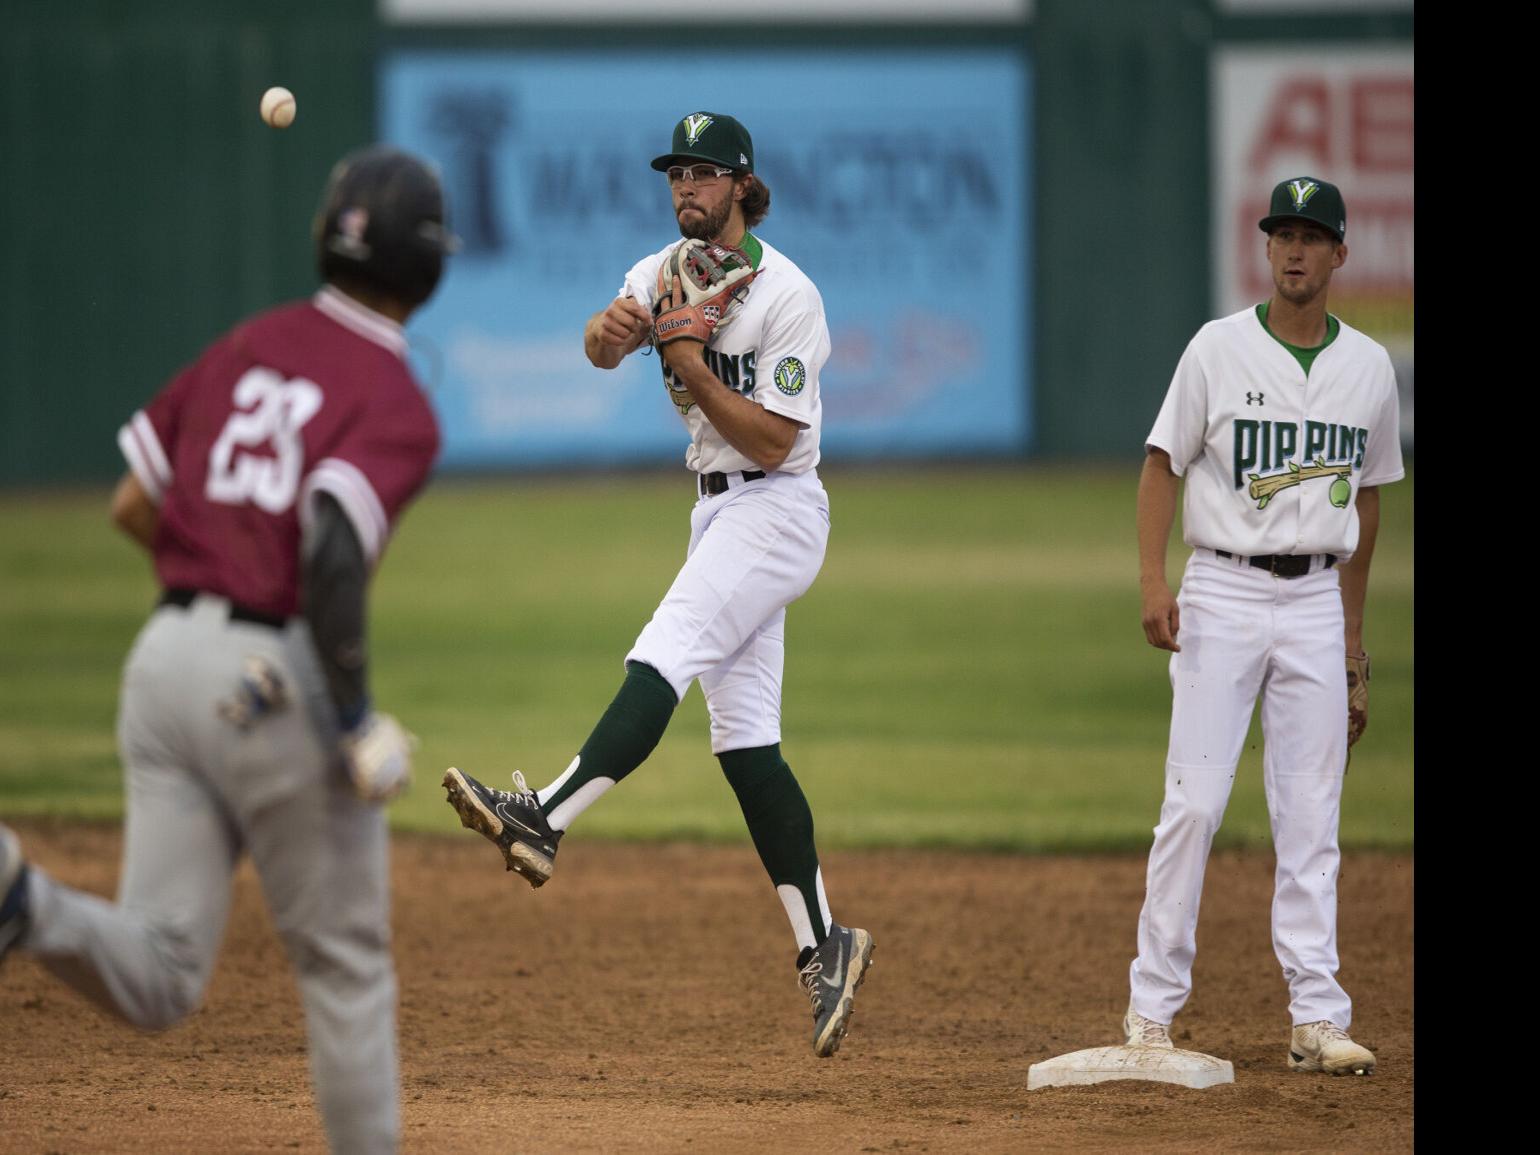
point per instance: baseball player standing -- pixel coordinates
(1284, 422)
(747, 392)
(265, 480)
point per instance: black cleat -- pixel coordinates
(510, 818)
(830, 973)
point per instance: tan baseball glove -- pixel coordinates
(712, 280)
(378, 757)
(1358, 696)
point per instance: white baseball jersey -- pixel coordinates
(772, 351)
(1273, 459)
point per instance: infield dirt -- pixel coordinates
(645, 1000)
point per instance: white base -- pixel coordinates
(1104, 1064)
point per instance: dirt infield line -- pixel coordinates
(645, 1001)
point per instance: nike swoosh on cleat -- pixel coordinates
(506, 817)
(837, 979)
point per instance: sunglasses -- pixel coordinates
(697, 173)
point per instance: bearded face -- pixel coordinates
(703, 208)
(704, 224)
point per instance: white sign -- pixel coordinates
(1341, 114)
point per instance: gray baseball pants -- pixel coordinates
(199, 793)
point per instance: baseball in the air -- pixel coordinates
(278, 107)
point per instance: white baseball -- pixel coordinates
(278, 107)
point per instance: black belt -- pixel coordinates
(1284, 565)
(712, 484)
(184, 598)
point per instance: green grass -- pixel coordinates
(968, 670)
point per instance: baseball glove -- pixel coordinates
(378, 757)
(1358, 696)
(713, 280)
(260, 691)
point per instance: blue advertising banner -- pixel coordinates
(900, 183)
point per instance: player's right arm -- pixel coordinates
(1158, 488)
(133, 510)
(1173, 444)
(618, 329)
(148, 442)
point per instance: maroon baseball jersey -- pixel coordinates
(313, 396)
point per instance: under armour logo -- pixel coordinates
(1253, 398)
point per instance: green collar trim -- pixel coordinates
(1305, 357)
(754, 248)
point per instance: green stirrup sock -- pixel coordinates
(627, 733)
(781, 824)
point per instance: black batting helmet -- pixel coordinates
(381, 223)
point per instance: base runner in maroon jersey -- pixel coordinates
(265, 480)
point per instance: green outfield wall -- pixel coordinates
(148, 207)
(146, 204)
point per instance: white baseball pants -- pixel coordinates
(1243, 633)
(753, 551)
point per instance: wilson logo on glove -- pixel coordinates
(699, 288)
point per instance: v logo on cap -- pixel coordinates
(1302, 191)
(695, 124)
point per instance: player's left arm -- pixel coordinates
(1381, 465)
(134, 511)
(794, 344)
(763, 437)
(1353, 576)
(333, 576)
(376, 751)
(350, 502)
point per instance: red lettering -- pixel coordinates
(1299, 121)
(1382, 110)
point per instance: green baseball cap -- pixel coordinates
(713, 137)
(1306, 198)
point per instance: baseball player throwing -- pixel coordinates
(1284, 423)
(744, 378)
(265, 480)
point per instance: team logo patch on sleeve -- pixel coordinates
(790, 376)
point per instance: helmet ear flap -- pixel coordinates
(381, 224)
